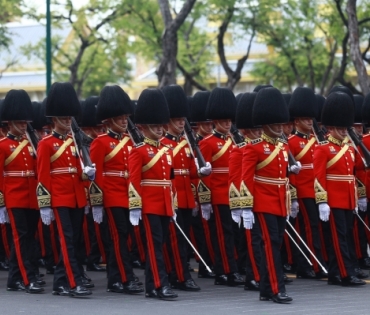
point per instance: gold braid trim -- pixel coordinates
(246, 198)
(320, 194)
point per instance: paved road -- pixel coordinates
(310, 297)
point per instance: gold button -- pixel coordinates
(182, 164)
(70, 164)
(23, 153)
(26, 164)
(73, 176)
(163, 167)
(68, 158)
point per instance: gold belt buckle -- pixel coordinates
(28, 173)
(72, 170)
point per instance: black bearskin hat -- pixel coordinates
(221, 104)
(199, 106)
(39, 119)
(303, 103)
(270, 108)
(176, 100)
(320, 100)
(238, 97)
(261, 86)
(88, 112)
(243, 118)
(152, 108)
(62, 101)
(113, 102)
(343, 89)
(338, 110)
(359, 100)
(366, 109)
(16, 106)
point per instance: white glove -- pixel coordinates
(47, 215)
(324, 210)
(97, 212)
(90, 171)
(4, 218)
(206, 210)
(294, 209)
(135, 216)
(87, 209)
(195, 210)
(206, 170)
(296, 168)
(236, 214)
(248, 218)
(362, 204)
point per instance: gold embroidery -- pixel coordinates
(246, 198)
(43, 196)
(204, 193)
(134, 198)
(234, 197)
(96, 195)
(320, 194)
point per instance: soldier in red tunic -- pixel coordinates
(110, 153)
(264, 190)
(151, 189)
(60, 190)
(335, 187)
(17, 191)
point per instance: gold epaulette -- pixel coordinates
(320, 194)
(95, 195)
(43, 196)
(134, 199)
(255, 141)
(204, 193)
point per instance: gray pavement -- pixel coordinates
(310, 297)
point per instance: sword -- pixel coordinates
(295, 243)
(362, 221)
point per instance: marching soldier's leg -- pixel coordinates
(361, 241)
(4, 248)
(253, 261)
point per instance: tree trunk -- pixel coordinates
(355, 52)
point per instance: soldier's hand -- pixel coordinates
(362, 204)
(4, 218)
(47, 215)
(90, 171)
(135, 216)
(236, 215)
(206, 170)
(97, 212)
(206, 210)
(248, 218)
(324, 211)
(294, 209)
(195, 210)
(296, 168)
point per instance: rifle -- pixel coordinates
(238, 138)
(32, 137)
(194, 145)
(82, 142)
(134, 133)
(318, 132)
(358, 142)
(291, 159)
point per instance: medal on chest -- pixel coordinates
(332, 150)
(112, 145)
(266, 149)
(150, 152)
(352, 155)
(169, 160)
(285, 153)
(73, 151)
(302, 144)
(56, 146)
(30, 150)
(220, 145)
(187, 151)
(12, 147)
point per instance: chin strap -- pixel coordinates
(338, 134)
(175, 127)
(17, 129)
(305, 125)
(64, 125)
(223, 130)
(123, 128)
(205, 132)
(277, 134)
(152, 132)
(253, 134)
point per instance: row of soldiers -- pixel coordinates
(236, 190)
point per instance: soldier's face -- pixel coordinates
(287, 128)
(176, 125)
(62, 124)
(154, 132)
(338, 132)
(359, 129)
(223, 125)
(18, 127)
(119, 123)
(205, 128)
(304, 124)
(273, 131)
(253, 133)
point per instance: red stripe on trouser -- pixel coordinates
(338, 254)
(151, 253)
(129, 243)
(41, 238)
(63, 246)
(100, 243)
(175, 253)
(54, 243)
(207, 235)
(288, 249)
(324, 252)
(248, 236)
(116, 245)
(221, 240)
(85, 230)
(5, 240)
(269, 254)
(366, 230)
(139, 243)
(17, 246)
(194, 242)
(356, 239)
(167, 260)
(309, 236)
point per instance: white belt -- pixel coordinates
(155, 182)
(181, 171)
(64, 170)
(19, 174)
(270, 180)
(340, 178)
(123, 174)
(307, 166)
(220, 170)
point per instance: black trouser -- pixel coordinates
(308, 219)
(68, 270)
(272, 229)
(252, 240)
(119, 264)
(177, 246)
(21, 262)
(6, 241)
(359, 235)
(341, 255)
(52, 246)
(99, 239)
(156, 228)
(220, 225)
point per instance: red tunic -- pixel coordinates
(335, 184)
(366, 142)
(17, 185)
(111, 176)
(66, 189)
(265, 189)
(151, 190)
(184, 169)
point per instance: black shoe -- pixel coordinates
(321, 274)
(116, 288)
(188, 285)
(287, 280)
(364, 263)
(336, 280)
(306, 274)
(62, 290)
(361, 274)
(86, 277)
(352, 281)
(40, 282)
(288, 268)
(18, 286)
(137, 280)
(235, 279)
(151, 294)
(50, 270)
(190, 268)
(252, 285)
(4, 266)
(131, 287)
(41, 262)
(281, 298)
(166, 293)
(79, 291)
(265, 297)
(87, 284)
(95, 267)
(220, 280)
(206, 274)
(33, 287)
(136, 264)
